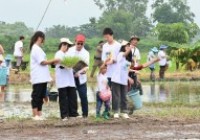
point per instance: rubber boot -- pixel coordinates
(106, 115)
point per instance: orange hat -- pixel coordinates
(80, 38)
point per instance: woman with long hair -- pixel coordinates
(39, 73)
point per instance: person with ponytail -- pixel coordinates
(39, 73)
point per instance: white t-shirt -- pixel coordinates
(83, 54)
(163, 58)
(102, 82)
(136, 55)
(113, 51)
(151, 56)
(64, 77)
(18, 47)
(120, 74)
(39, 73)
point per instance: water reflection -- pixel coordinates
(169, 92)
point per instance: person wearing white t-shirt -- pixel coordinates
(163, 61)
(120, 80)
(136, 57)
(152, 55)
(39, 73)
(135, 51)
(110, 51)
(103, 89)
(18, 51)
(81, 77)
(65, 83)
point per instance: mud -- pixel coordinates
(138, 127)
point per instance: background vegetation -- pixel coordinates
(171, 23)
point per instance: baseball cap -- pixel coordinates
(80, 38)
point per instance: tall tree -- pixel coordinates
(131, 11)
(172, 11)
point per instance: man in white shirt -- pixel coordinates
(110, 52)
(18, 51)
(136, 57)
(163, 61)
(135, 51)
(80, 77)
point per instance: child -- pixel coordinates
(39, 73)
(4, 72)
(103, 94)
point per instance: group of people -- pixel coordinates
(163, 63)
(118, 68)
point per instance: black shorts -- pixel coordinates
(38, 94)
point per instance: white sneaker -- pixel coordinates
(38, 118)
(65, 119)
(116, 116)
(125, 116)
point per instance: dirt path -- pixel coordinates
(136, 128)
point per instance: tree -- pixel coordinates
(15, 29)
(176, 32)
(172, 11)
(126, 17)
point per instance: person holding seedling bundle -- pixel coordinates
(65, 83)
(39, 73)
(80, 76)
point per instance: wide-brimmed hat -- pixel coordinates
(163, 47)
(66, 40)
(124, 43)
(134, 37)
(154, 49)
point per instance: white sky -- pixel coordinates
(74, 13)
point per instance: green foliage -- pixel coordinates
(176, 32)
(172, 11)
(15, 29)
(125, 17)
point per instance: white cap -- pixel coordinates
(124, 42)
(62, 40)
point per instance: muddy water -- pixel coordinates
(16, 102)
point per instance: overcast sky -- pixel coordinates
(71, 13)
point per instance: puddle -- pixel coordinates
(16, 102)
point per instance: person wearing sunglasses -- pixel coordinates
(80, 77)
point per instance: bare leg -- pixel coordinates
(35, 112)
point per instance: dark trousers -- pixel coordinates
(110, 83)
(82, 91)
(68, 102)
(119, 100)
(38, 94)
(162, 72)
(99, 103)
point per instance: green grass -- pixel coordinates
(50, 55)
